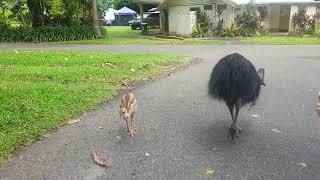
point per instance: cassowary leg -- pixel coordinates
(236, 121)
(232, 128)
(231, 109)
(133, 131)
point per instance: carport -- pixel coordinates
(146, 2)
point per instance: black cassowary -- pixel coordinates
(235, 80)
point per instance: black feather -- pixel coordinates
(235, 78)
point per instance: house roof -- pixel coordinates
(125, 11)
(148, 1)
(190, 2)
(278, 1)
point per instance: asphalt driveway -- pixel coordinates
(184, 130)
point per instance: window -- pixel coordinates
(195, 9)
(208, 7)
(221, 7)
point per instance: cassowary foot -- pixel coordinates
(132, 132)
(234, 132)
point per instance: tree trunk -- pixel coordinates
(36, 12)
(96, 24)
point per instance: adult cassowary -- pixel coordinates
(235, 80)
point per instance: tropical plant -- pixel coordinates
(301, 19)
(232, 31)
(203, 24)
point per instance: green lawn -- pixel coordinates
(270, 40)
(40, 91)
(124, 35)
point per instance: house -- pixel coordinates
(177, 17)
(281, 12)
(146, 2)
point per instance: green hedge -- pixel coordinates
(47, 34)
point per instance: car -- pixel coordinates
(151, 18)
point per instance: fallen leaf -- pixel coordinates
(99, 159)
(146, 155)
(132, 70)
(302, 164)
(74, 121)
(125, 82)
(255, 115)
(275, 130)
(112, 65)
(209, 172)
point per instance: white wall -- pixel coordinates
(228, 16)
(180, 17)
(275, 18)
(311, 10)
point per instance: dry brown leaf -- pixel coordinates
(74, 121)
(302, 164)
(99, 159)
(275, 130)
(125, 82)
(209, 172)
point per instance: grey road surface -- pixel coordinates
(184, 130)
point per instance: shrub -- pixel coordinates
(250, 21)
(203, 24)
(316, 33)
(249, 17)
(47, 34)
(219, 27)
(232, 31)
(301, 19)
(197, 32)
(296, 33)
(263, 12)
(247, 32)
(312, 25)
(4, 24)
(263, 31)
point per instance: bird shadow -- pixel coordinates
(217, 133)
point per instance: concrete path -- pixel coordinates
(184, 130)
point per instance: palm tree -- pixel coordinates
(96, 24)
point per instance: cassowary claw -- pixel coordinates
(234, 132)
(132, 132)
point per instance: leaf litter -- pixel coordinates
(73, 121)
(99, 159)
